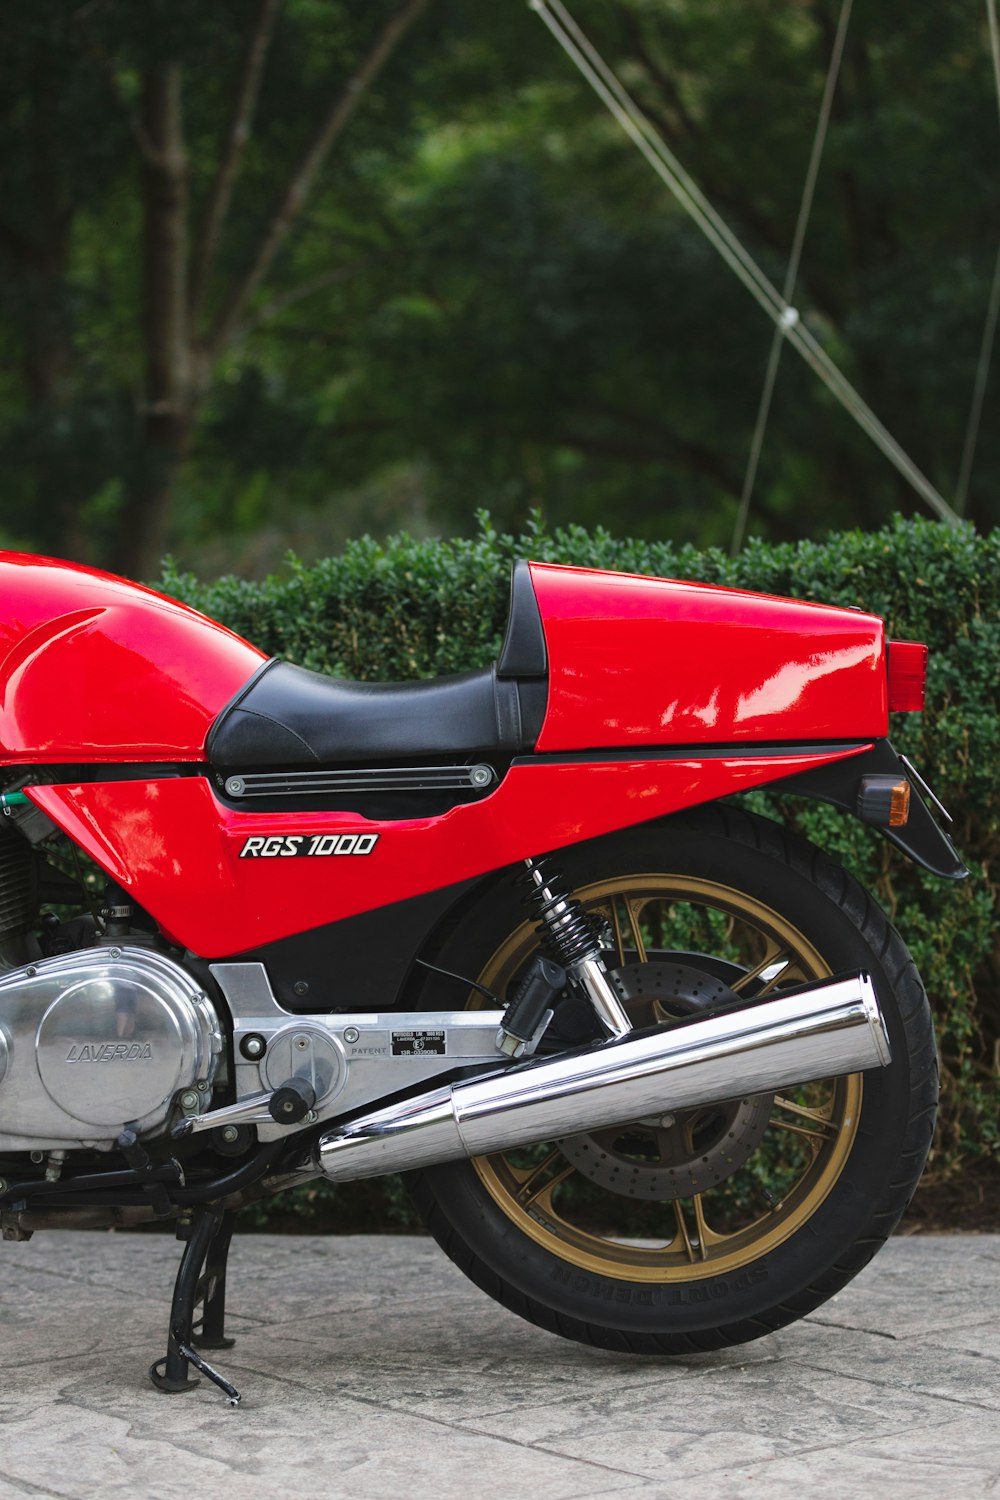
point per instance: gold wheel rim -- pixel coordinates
(821, 1120)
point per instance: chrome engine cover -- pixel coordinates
(99, 1039)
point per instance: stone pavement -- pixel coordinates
(371, 1368)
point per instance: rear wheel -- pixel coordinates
(702, 1227)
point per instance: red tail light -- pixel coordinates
(907, 675)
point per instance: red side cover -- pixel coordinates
(181, 852)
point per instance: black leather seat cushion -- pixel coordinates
(286, 716)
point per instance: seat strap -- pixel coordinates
(508, 707)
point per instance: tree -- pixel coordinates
(195, 304)
(594, 353)
(236, 286)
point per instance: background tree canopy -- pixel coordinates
(282, 270)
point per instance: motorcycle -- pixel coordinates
(661, 1076)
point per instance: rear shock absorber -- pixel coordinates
(570, 937)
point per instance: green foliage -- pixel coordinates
(487, 293)
(418, 608)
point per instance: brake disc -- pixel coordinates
(682, 1152)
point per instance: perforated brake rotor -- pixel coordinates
(682, 1152)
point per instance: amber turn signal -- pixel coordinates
(899, 804)
(884, 801)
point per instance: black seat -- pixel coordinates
(287, 716)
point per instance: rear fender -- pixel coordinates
(839, 783)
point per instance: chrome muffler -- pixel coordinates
(817, 1032)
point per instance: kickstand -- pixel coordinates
(171, 1374)
(210, 1333)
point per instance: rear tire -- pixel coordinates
(563, 1241)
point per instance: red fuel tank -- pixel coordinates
(93, 668)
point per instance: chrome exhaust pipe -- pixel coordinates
(817, 1032)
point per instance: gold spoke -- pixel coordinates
(633, 908)
(536, 1179)
(703, 1230)
(682, 1231)
(826, 1133)
(699, 1245)
(616, 927)
(546, 1189)
(791, 971)
(543, 1197)
(821, 1116)
(776, 955)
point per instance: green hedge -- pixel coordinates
(410, 608)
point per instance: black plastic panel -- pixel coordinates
(523, 652)
(840, 784)
(361, 963)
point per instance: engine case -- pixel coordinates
(99, 1039)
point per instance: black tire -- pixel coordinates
(865, 1169)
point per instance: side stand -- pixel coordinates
(211, 1333)
(207, 1245)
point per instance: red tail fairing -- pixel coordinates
(649, 661)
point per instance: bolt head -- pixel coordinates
(253, 1046)
(351, 1034)
(230, 1133)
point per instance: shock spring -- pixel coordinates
(571, 938)
(566, 931)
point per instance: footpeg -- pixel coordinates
(530, 1009)
(291, 1102)
(287, 1105)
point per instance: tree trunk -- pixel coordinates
(167, 409)
(47, 367)
(179, 363)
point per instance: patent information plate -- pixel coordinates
(414, 1043)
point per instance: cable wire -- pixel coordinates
(791, 275)
(990, 325)
(668, 168)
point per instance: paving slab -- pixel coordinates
(371, 1367)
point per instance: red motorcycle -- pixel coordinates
(661, 1076)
